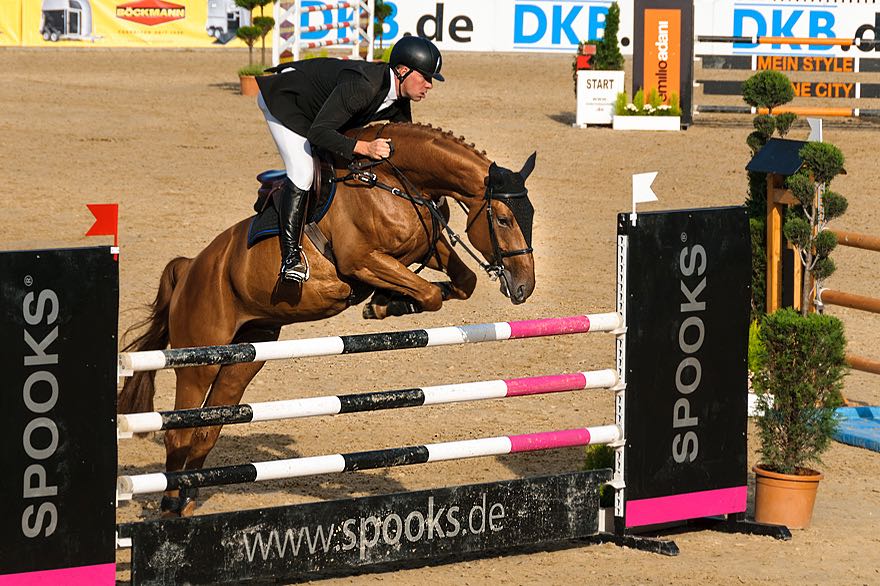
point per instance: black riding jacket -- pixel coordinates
(322, 98)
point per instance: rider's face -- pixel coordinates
(415, 86)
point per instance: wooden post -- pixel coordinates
(774, 247)
(777, 198)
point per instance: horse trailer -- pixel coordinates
(66, 19)
(224, 18)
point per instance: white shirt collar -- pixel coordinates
(392, 93)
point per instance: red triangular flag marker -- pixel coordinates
(106, 220)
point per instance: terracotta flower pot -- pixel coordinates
(785, 499)
(248, 85)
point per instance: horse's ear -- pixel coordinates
(494, 172)
(529, 166)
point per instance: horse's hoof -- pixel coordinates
(370, 312)
(179, 506)
(170, 507)
(188, 508)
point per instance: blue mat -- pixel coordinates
(859, 426)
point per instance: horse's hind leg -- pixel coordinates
(227, 389)
(192, 387)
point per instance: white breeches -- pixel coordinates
(295, 150)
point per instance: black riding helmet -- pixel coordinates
(419, 54)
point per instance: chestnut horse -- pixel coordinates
(230, 293)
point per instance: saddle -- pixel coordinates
(265, 223)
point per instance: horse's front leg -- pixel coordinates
(462, 282)
(385, 272)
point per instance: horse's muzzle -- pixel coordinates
(516, 294)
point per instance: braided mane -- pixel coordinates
(437, 131)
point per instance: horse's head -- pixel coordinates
(501, 229)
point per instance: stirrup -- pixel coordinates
(295, 271)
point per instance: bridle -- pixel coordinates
(505, 198)
(362, 172)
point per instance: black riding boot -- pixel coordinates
(294, 265)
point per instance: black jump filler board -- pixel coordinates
(59, 314)
(340, 536)
(688, 295)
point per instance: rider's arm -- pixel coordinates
(344, 103)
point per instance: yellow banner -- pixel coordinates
(10, 23)
(130, 23)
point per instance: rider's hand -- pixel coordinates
(377, 149)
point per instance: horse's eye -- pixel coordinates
(504, 222)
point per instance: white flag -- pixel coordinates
(815, 129)
(642, 191)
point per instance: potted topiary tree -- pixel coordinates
(249, 34)
(770, 89)
(805, 224)
(265, 24)
(599, 74)
(799, 371)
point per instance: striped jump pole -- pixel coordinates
(326, 43)
(353, 344)
(326, 27)
(763, 40)
(128, 486)
(362, 402)
(325, 7)
(826, 112)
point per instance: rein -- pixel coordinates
(360, 171)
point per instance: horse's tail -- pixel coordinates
(138, 390)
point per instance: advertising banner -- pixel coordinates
(505, 25)
(455, 25)
(663, 53)
(777, 19)
(126, 23)
(10, 24)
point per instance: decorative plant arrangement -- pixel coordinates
(646, 114)
(653, 106)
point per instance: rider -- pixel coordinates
(312, 102)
